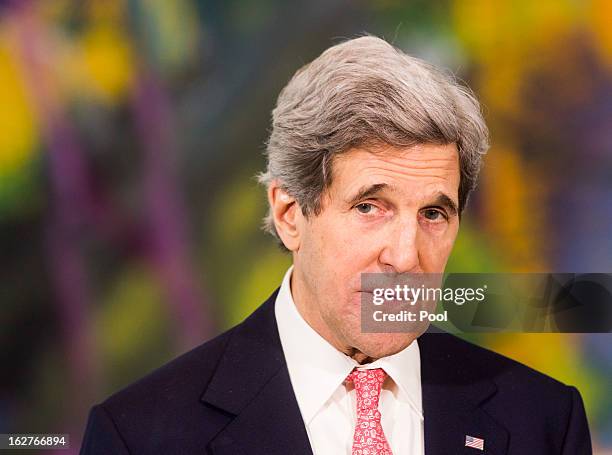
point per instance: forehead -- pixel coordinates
(419, 168)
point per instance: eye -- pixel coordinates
(365, 208)
(433, 215)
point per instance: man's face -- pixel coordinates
(394, 210)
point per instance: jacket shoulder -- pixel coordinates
(530, 405)
(162, 412)
(165, 411)
(485, 363)
(523, 395)
(182, 379)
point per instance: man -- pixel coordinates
(371, 160)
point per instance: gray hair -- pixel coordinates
(366, 92)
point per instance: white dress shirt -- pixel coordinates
(328, 406)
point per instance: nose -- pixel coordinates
(400, 253)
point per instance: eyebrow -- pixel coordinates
(366, 192)
(441, 199)
(445, 201)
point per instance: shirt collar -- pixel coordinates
(317, 369)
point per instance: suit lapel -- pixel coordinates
(453, 395)
(252, 384)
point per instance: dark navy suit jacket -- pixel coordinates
(232, 395)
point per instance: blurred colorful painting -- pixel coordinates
(130, 132)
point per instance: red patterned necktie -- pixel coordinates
(369, 437)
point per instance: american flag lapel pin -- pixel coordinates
(476, 443)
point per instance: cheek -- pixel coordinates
(434, 250)
(335, 240)
(326, 251)
(339, 256)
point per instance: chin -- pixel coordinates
(377, 345)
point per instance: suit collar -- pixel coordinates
(252, 383)
(253, 355)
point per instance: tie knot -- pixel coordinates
(367, 376)
(367, 386)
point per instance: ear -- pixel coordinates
(286, 214)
